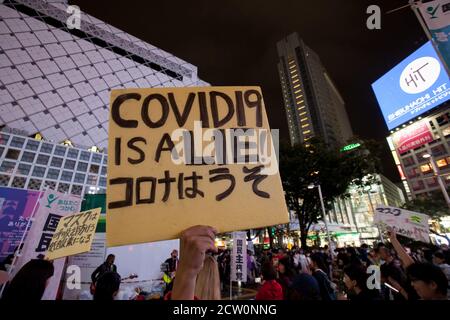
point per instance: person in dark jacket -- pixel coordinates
(30, 282)
(107, 287)
(326, 287)
(271, 289)
(107, 266)
(304, 287)
(286, 274)
(172, 262)
(355, 279)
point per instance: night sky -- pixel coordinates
(234, 43)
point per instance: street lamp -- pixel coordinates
(438, 177)
(312, 186)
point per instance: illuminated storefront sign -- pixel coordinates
(412, 137)
(416, 85)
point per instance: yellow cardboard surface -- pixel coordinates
(74, 234)
(141, 110)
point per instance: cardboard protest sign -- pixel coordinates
(406, 223)
(74, 234)
(179, 157)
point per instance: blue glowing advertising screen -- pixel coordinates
(416, 85)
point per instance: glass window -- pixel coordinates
(4, 179)
(73, 153)
(426, 168)
(28, 157)
(79, 178)
(105, 159)
(432, 182)
(63, 187)
(417, 185)
(435, 141)
(1, 151)
(34, 184)
(94, 168)
(442, 162)
(76, 190)
(12, 154)
(66, 176)
(7, 166)
(104, 171)
(85, 155)
(46, 148)
(444, 119)
(69, 164)
(19, 182)
(17, 142)
(446, 132)
(56, 162)
(23, 169)
(4, 138)
(97, 158)
(102, 182)
(38, 171)
(420, 157)
(411, 173)
(42, 159)
(91, 180)
(438, 150)
(60, 150)
(82, 166)
(50, 184)
(32, 145)
(53, 174)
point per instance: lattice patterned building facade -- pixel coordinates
(56, 81)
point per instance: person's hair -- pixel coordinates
(268, 271)
(106, 286)
(358, 274)
(428, 273)
(352, 251)
(378, 246)
(319, 261)
(304, 287)
(30, 282)
(110, 256)
(439, 254)
(207, 286)
(288, 267)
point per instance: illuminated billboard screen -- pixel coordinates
(416, 85)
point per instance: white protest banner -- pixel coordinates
(410, 224)
(239, 257)
(52, 206)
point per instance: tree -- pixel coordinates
(433, 205)
(335, 171)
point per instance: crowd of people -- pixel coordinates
(384, 271)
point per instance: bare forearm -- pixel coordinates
(184, 286)
(402, 254)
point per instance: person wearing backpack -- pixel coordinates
(327, 288)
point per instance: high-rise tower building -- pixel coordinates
(312, 103)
